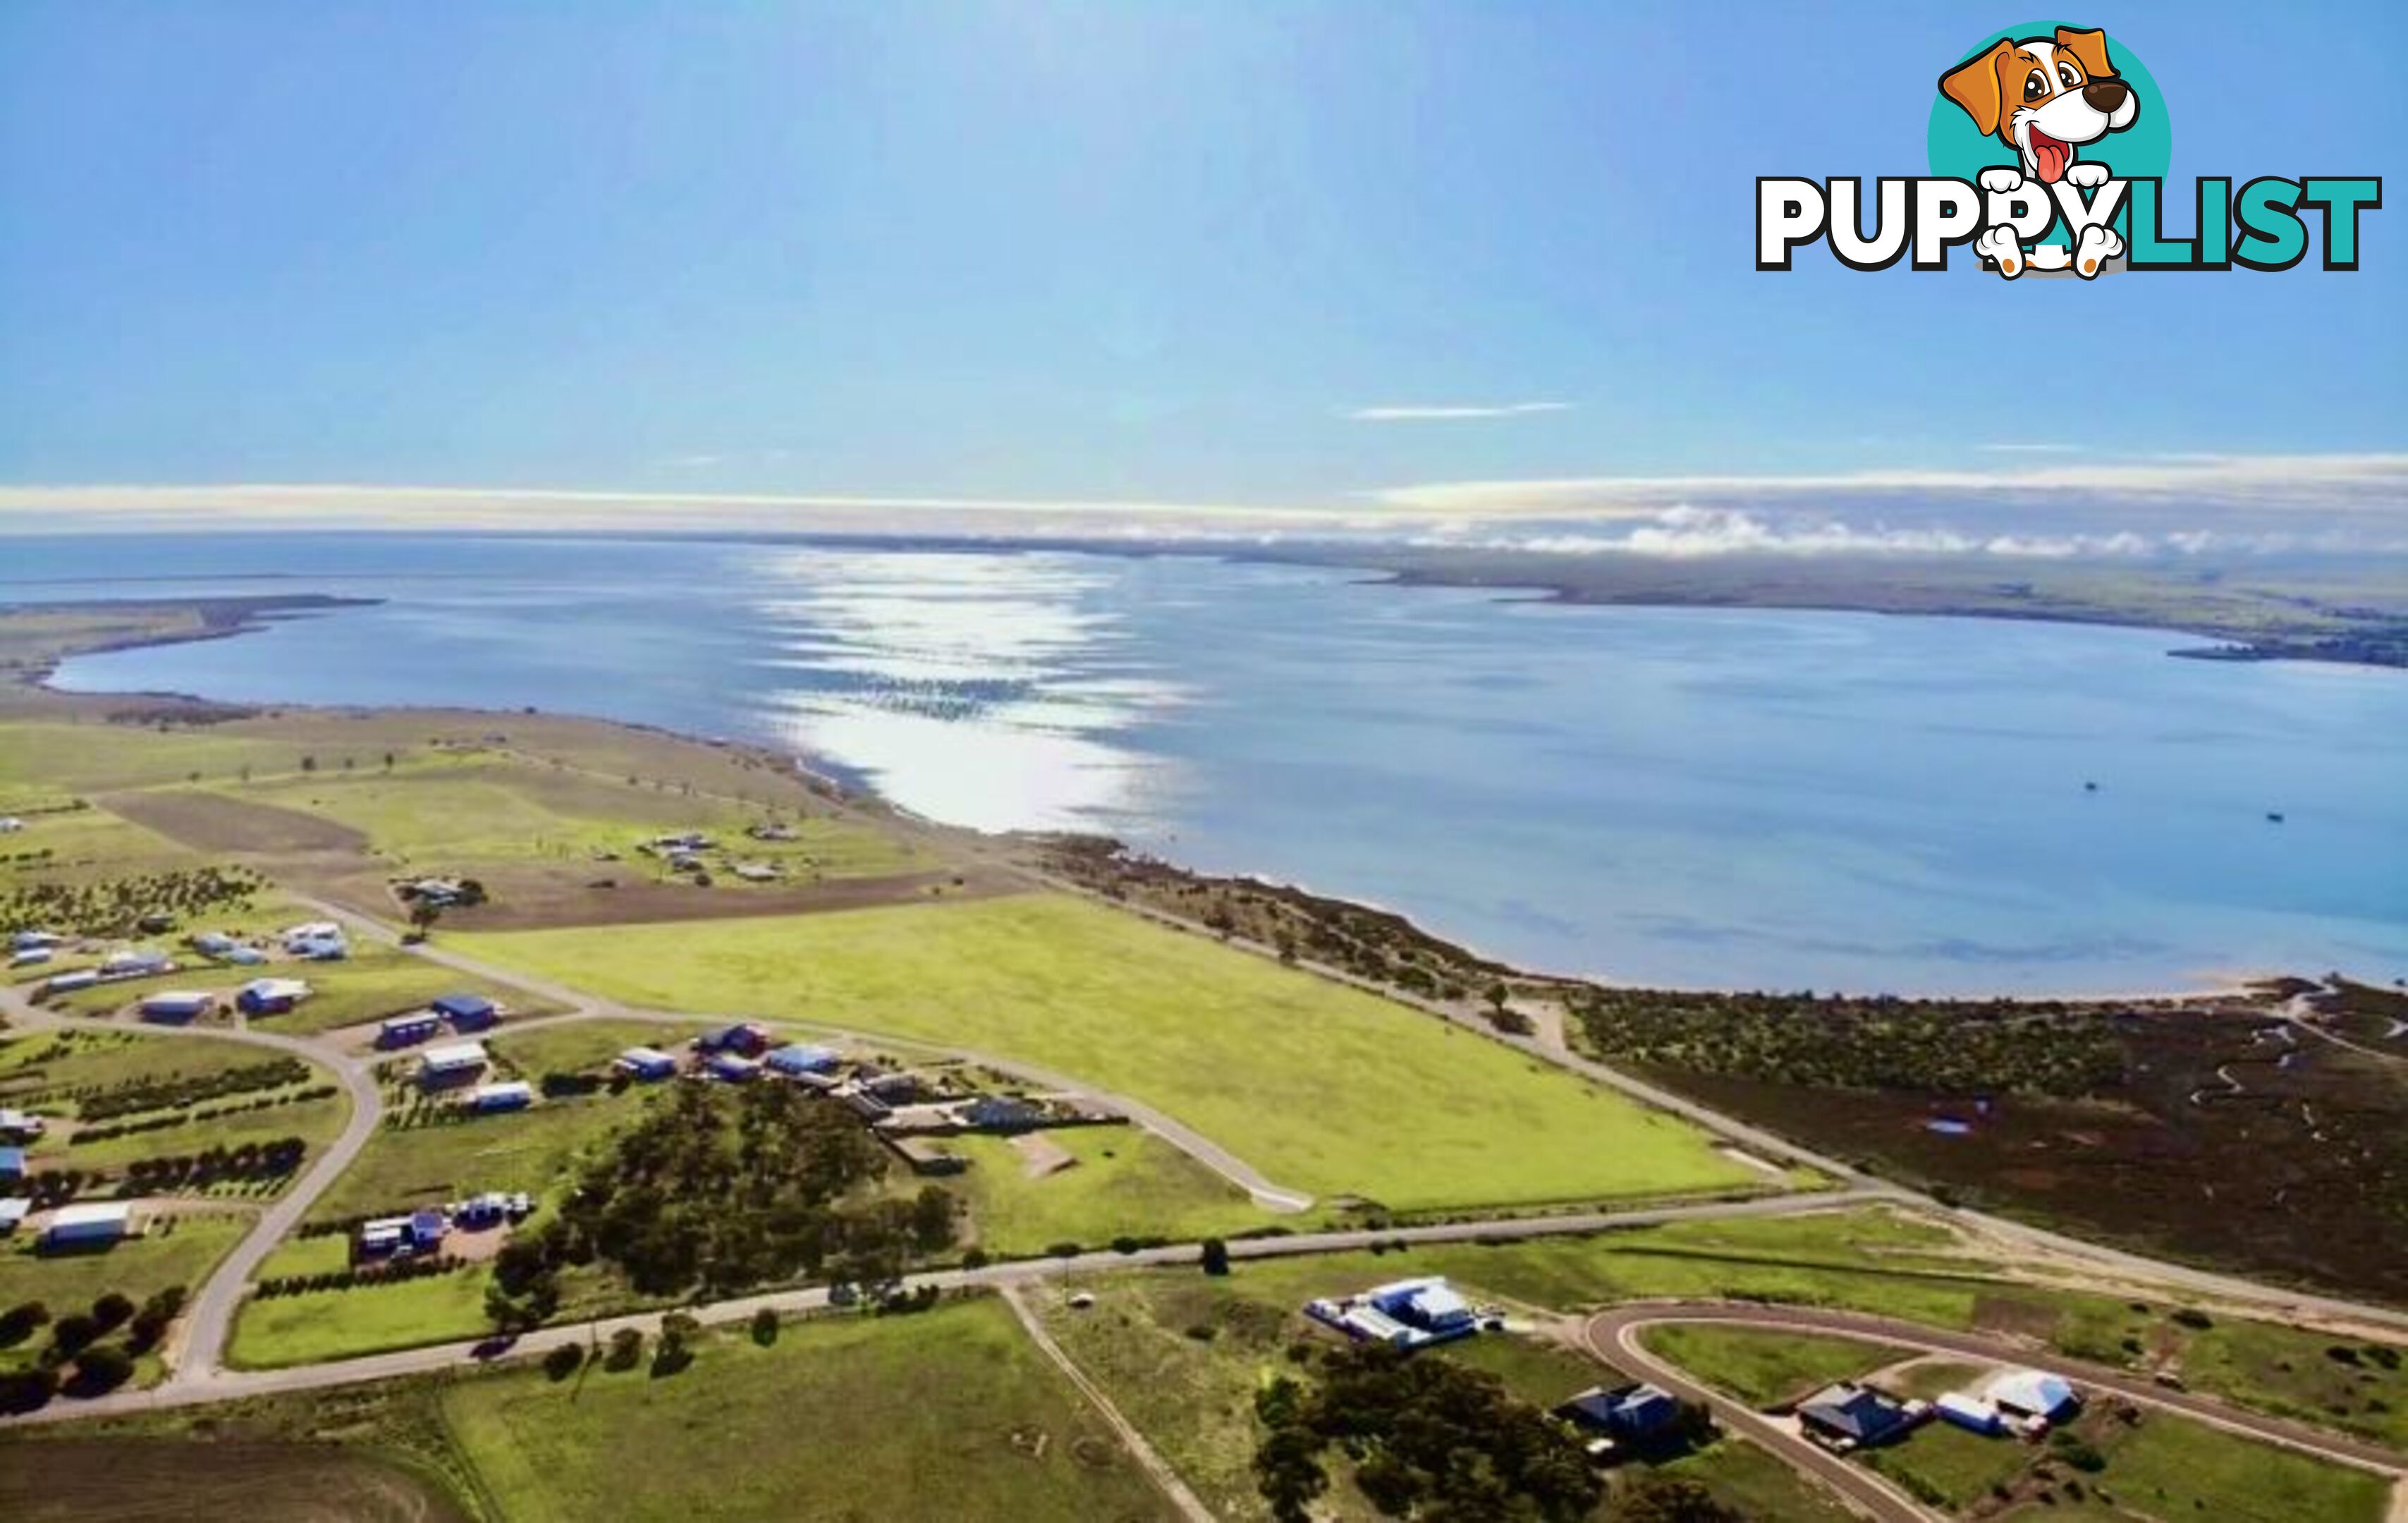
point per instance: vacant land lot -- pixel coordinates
(1121, 1181)
(141, 1480)
(174, 1251)
(1321, 1087)
(2133, 1464)
(282, 1331)
(525, 1150)
(1763, 1367)
(948, 1414)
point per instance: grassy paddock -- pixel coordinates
(948, 1414)
(1125, 1181)
(1765, 1368)
(526, 1150)
(1322, 1087)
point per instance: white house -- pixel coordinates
(451, 1063)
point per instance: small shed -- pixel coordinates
(82, 978)
(82, 1225)
(731, 1068)
(176, 1005)
(2032, 1393)
(137, 962)
(213, 944)
(12, 1162)
(407, 1031)
(1970, 1414)
(454, 1063)
(744, 1038)
(647, 1063)
(1002, 1113)
(428, 1228)
(13, 1211)
(511, 1094)
(466, 1012)
(272, 995)
(799, 1057)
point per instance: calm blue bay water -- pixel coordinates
(1678, 796)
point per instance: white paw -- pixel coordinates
(2090, 177)
(2002, 180)
(2098, 246)
(2000, 246)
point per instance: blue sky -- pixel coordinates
(1126, 252)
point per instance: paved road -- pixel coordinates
(198, 1385)
(209, 1319)
(1612, 1335)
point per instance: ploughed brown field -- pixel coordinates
(136, 1480)
(2214, 1149)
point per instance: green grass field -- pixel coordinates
(90, 758)
(527, 1150)
(2173, 1469)
(1758, 1485)
(176, 1251)
(45, 1072)
(283, 1331)
(1125, 1181)
(1539, 1372)
(1947, 1465)
(1763, 1367)
(585, 1046)
(948, 1414)
(373, 983)
(453, 812)
(1322, 1087)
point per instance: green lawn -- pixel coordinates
(1765, 1368)
(2174, 1469)
(585, 1046)
(945, 1415)
(1540, 1371)
(1125, 1181)
(447, 813)
(94, 757)
(1759, 1485)
(283, 1331)
(1322, 1087)
(177, 1251)
(1947, 1465)
(526, 1150)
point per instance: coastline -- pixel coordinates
(225, 618)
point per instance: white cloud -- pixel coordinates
(1442, 413)
(2018, 448)
(2314, 481)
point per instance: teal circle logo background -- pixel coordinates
(2142, 151)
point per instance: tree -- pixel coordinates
(113, 1310)
(17, 1322)
(626, 1347)
(73, 1333)
(1655, 1498)
(28, 1391)
(1289, 1473)
(563, 1362)
(1215, 1258)
(101, 1368)
(765, 1326)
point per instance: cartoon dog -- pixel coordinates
(2045, 97)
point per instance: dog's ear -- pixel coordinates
(1974, 85)
(2089, 49)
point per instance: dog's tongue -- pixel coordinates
(2050, 156)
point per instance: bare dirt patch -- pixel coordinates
(214, 821)
(1040, 1156)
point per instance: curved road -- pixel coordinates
(1615, 1336)
(209, 1319)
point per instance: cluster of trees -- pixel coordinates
(218, 1163)
(397, 1271)
(179, 1091)
(1428, 1438)
(720, 1189)
(77, 1359)
(1939, 1046)
(185, 1118)
(117, 905)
